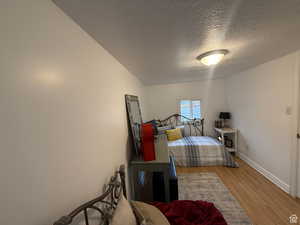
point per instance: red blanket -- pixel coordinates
(187, 212)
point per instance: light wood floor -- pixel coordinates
(263, 201)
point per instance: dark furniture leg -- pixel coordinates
(173, 181)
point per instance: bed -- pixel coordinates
(194, 149)
(112, 208)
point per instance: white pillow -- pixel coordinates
(123, 214)
(148, 214)
(183, 129)
(161, 130)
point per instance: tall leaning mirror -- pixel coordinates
(135, 120)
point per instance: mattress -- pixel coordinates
(195, 151)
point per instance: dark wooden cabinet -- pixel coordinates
(154, 180)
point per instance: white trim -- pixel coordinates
(271, 177)
(294, 130)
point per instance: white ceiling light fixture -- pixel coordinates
(212, 57)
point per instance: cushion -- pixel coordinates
(123, 214)
(182, 128)
(174, 134)
(148, 215)
(161, 130)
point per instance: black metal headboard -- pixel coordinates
(104, 204)
(195, 126)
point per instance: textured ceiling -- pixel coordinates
(158, 40)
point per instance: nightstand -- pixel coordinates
(232, 133)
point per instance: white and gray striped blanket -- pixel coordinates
(200, 151)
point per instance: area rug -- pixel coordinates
(209, 187)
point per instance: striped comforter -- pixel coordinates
(200, 151)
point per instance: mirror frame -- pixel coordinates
(136, 140)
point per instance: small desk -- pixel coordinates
(161, 164)
(231, 131)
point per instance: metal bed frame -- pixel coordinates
(196, 125)
(104, 204)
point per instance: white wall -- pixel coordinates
(163, 100)
(259, 99)
(63, 120)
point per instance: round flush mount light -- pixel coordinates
(212, 57)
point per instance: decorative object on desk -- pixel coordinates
(147, 139)
(135, 121)
(224, 116)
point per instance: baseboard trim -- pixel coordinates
(271, 177)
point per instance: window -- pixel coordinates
(190, 109)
